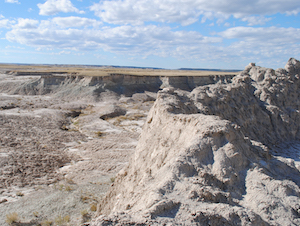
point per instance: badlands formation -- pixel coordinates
(66, 131)
(222, 154)
(187, 150)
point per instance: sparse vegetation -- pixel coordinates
(85, 216)
(93, 207)
(84, 198)
(133, 117)
(64, 127)
(12, 218)
(100, 134)
(46, 223)
(35, 214)
(68, 188)
(112, 179)
(61, 187)
(83, 212)
(62, 220)
(20, 194)
(67, 218)
(73, 130)
(76, 123)
(96, 71)
(38, 188)
(70, 181)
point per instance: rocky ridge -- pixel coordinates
(68, 85)
(221, 154)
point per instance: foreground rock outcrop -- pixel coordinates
(222, 154)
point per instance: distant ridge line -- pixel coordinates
(116, 66)
(204, 69)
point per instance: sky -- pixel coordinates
(167, 34)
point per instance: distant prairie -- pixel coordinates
(86, 70)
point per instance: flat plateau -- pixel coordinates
(106, 70)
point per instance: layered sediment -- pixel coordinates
(121, 84)
(220, 154)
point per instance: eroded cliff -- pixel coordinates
(222, 154)
(68, 85)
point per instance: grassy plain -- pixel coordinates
(106, 70)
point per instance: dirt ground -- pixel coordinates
(58, 157)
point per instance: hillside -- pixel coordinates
(222, 154)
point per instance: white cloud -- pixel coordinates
(52, 7)
(263, 35)
(74, 33)
(26, 24)
(188, 11)
(140, 40)
(61, 53)
(255, 20)
(12, 1)
(5, 23)
(136, 12)
(270, 43)
(73, 21)
(14, 47)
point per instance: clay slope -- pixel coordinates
(223, 154)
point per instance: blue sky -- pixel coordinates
(150, 33)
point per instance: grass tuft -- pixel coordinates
(68, 188)
(93, 207)
(62, 220)
(35, 214)
(12, 218)
(99, 134)
(133, 117)
(20, 194)
(85, 216)
(46, 223)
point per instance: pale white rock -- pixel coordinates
(215, 156)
